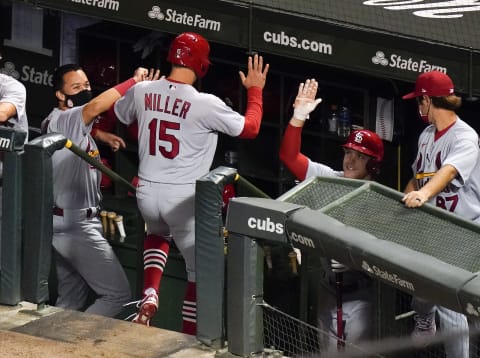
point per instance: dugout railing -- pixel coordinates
(427, 252)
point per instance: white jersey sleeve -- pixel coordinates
(14, 92)
(321, 170)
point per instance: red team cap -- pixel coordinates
(366, 142)
(433, 84)
(190, 50)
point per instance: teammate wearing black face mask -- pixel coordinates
(78, 99)
(84, 260)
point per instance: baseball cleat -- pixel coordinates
(147, 308)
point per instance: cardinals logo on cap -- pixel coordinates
(358, 137)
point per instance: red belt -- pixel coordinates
(88, 212)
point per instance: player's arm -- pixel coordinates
(106, 99)
(290, 154)
(411, 186)
(15, 95)
(304, 104)
(112, 140)
(254, 82)
(7, 111)
(434, 186)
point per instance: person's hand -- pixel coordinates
(305, 101)
(337, 267)
(257, 73)
(143, 74)
(415, 199)
(110, 139)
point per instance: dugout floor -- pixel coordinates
(51, 332)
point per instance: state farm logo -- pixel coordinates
(9, 70)
(384, 274)
(28, 74)
(406, 64)
(156, 13)
(184, 18)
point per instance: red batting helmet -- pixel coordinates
(190, 50)
(366, 142)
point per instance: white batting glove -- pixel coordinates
(337, 266)
(305, 101)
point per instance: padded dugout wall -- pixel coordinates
(210, 256)
(427, 252)
(11, 215)
(38, 224)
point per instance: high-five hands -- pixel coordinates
(143, 74)
(257, 73)
(305, 101)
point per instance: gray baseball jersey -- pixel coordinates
(84, 259)
(76, 183)
(177, 129)
(457, 146)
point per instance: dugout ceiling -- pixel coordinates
(393, 39)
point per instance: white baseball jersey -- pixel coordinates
(76, 184)
(457, 146)
(13, 91)
(178, 129)
(321, 170)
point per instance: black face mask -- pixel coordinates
(78, 99)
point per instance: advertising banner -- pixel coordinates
(444, 22)
(219, 22)
(369, 36)
(35, 71)
(375, 54)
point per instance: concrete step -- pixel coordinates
(27, 332)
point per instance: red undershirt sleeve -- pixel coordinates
(290, 154)
(108, 120)
(253, 113)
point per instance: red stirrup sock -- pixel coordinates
(155, 254)
(189, 310)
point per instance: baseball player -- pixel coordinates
(446, 173)
(12, 113)
(178, 130)
(84, 259)
(363, 156)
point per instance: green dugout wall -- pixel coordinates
(426, 252)
(11, 149)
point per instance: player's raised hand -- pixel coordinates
(305, 101)
(257, 72)
(143, 74)
(153, 75)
